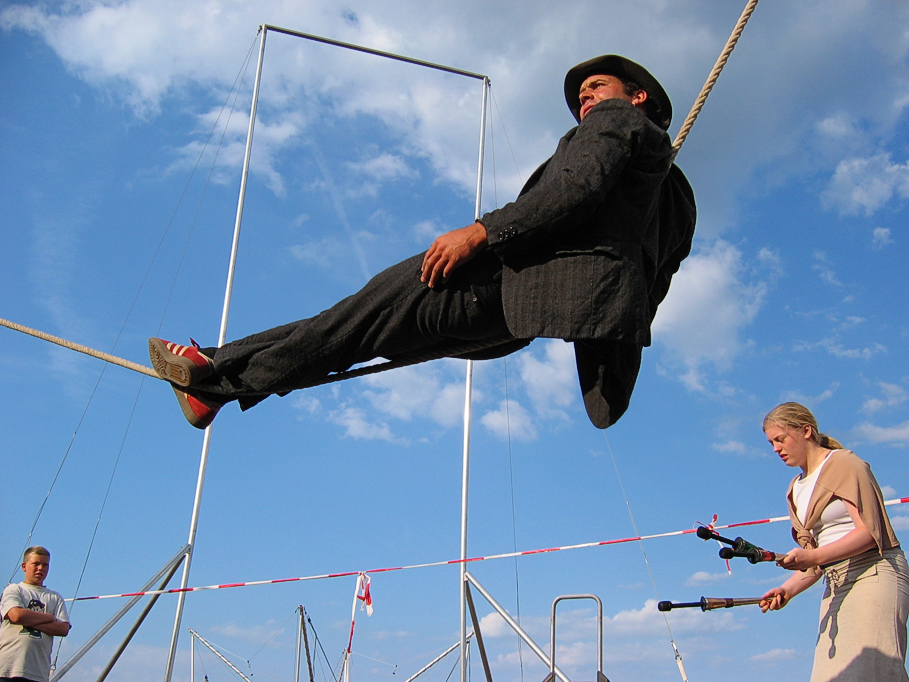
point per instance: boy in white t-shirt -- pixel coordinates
(32, 616)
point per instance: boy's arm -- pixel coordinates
(44, 622)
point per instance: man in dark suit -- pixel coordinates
(585, 253)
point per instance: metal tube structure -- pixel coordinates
(169, 566)
(218, 654)
(299, 641)
(552, 633)
(436, 660)
(377, 53)
(468, 393)
(465, 479)
(135, 628)
(264, 28)
(206, 441)
(517, 628)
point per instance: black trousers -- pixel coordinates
(392, 316)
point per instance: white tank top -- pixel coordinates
(835, 521)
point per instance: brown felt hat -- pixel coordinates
(620, 67)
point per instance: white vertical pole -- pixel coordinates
(299, 644)
(465, 471)
(206, 441)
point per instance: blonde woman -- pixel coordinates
(844, 535)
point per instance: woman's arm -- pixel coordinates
(852, 544)
(778, 597)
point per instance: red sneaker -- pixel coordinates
(182, 365)
(198, 411)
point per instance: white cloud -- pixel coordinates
(864, 185)
(899, 521)
(323, 253)
(357, 425)
(645, 621)
(255, 634)
(775, 655)
(426, 231)
(804, 399)
(383, 167)
(702, 320)
(833, 346)
(880, 237)
(894, 435)
(427, 391)
(734, 446)
(825, 269)
(493, 625)
(551, 382)
(892, 395)
(511, 420)
(705, 578)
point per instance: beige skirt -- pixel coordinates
(862, 632)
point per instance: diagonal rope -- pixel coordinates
(514, 524)
(714, 75)
(107, 357)
(111, 359)
(110, 484)
(634, 525)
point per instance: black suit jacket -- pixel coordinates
(590, 245)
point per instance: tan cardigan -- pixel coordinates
(848, 478)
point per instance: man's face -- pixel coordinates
(36, 567)
(597, 88)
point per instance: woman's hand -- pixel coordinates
(774, 600)
(799, 559)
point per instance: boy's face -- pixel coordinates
(36, 567)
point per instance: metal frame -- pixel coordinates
(263, 30)
(185, 554)
(552, 632)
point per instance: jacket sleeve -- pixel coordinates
(676, 216)
(577, 180)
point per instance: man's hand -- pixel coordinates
(451, 250)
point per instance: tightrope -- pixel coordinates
(490, 557)
(79, 348)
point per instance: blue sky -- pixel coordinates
(794, 290)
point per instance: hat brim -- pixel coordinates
(620, 67)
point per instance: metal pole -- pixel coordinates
(206, 442)
(517, 628)
(436, 660)
(306, 645)
(84, 649)
(476, 628)
(218, 654)
(468, 390)
(378, 53)
(464, 483)
(135, 628)
(299, 641)
(552, 632)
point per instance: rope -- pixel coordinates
(107, 357)
(714, 74)
(451, 350)
(634, 525)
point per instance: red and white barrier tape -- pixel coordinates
(902, 500)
